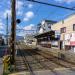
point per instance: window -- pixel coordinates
(63, 30)
(49, 27)
(73, 27)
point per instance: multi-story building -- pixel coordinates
(45, 26)
(45, 34)
(66, 29)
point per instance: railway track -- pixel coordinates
(56, 60)
(23, 62)
(48, 65)
(27, 64)
(40, 60)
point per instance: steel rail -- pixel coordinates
(47, 56)
(27, 63)
(42, 63)
(58, 58)
(54, 61)
(30, 53)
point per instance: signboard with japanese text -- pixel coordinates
(57, 34)
(70, 39)
(67, 37)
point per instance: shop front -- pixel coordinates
(45, 39)
(70, 42)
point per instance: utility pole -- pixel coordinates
(13, 30)
(7, 28)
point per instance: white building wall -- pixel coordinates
(68, 23)
(44, 27)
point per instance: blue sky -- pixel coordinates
(32, 13)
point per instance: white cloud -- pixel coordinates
(19, 13)
(1, 25)
(19, 5)
(67, 1)
(8, 3)
(30, 5)
(1, 32)
(19, 27)
(29, 15)
(0, 20)
(29, 27)
(20, 34)
(27, 30)
(7, 12)
(26, 19)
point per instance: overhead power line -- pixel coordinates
(52, 5)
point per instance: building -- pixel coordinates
(66, 30)
(45, 26)
(45, 34)
(38, 27)
(45, 39)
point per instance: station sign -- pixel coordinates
(72, 43)
(67, 42)
(72, 39)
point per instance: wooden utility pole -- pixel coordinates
(13, 30)
(7, 27)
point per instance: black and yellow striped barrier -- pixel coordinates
(6, 64)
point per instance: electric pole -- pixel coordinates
(7, 27)
(13, 30)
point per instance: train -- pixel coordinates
(46, 44)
